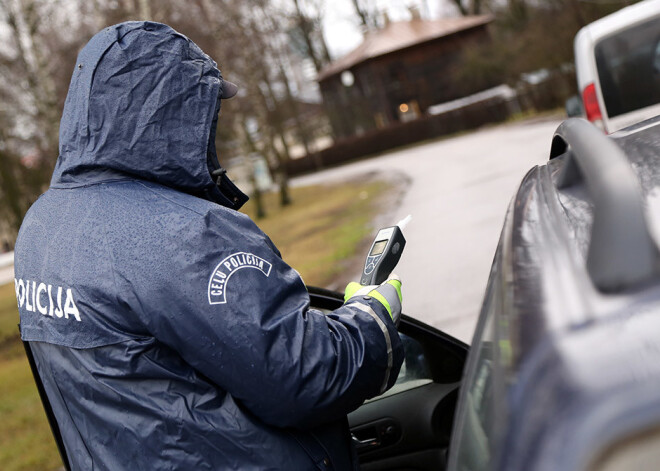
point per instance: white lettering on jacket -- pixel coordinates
(38, 297)
(219, 279)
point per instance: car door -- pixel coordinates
(409, 426)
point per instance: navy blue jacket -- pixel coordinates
(167, 330)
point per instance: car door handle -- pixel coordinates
(375, 435)
(366, 443)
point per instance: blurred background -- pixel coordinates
(321, 81)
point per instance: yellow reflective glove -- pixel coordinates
(388, 294)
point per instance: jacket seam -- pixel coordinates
(74, 186)
(327, 454)
(141, 183)
(167, 198)
(29, 338)
(305, 448)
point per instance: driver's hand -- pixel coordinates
(388, 294)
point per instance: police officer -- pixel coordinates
(167, 330)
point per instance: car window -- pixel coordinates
(627, 64)
(414, 366)
(415, 371)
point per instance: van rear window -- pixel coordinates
(628, 65)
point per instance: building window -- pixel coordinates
(408, 111)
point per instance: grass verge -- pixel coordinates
(324, 228)
(320, 235)
(26, 442)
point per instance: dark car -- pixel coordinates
(564, 368)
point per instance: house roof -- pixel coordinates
(400, 35)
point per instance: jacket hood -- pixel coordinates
(143, 102)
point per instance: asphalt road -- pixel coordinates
(6, 274)
(459, 191)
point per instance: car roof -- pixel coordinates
(554, 225)
(620, 19)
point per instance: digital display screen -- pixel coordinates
(378, 247)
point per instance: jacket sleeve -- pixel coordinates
(224, 299)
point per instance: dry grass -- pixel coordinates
(324, 229)
(26, 442)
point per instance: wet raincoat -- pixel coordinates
(167, 330)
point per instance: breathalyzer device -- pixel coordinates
(384, 254)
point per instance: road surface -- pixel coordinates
(6, 267)
(458, 195)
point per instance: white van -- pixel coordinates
(617, 61)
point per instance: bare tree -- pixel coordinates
(261, 64)
(36, 60)
(472, 7)
(307, 19)
(12, 205)
(28, 64)
(367, 13)
(251, 41)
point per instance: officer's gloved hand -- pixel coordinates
(388, 294)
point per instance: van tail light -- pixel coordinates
(590, 101)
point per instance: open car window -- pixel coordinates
(415, 371)
(409, 426)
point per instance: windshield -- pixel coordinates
(629, 68)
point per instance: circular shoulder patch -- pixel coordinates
(221, 274)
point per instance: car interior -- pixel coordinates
(409, 426)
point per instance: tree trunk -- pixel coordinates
(461, 8)
(306, 30)
(256, 191)
(364, 16)
(145, 10)
(10, 195)
(275, 121)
